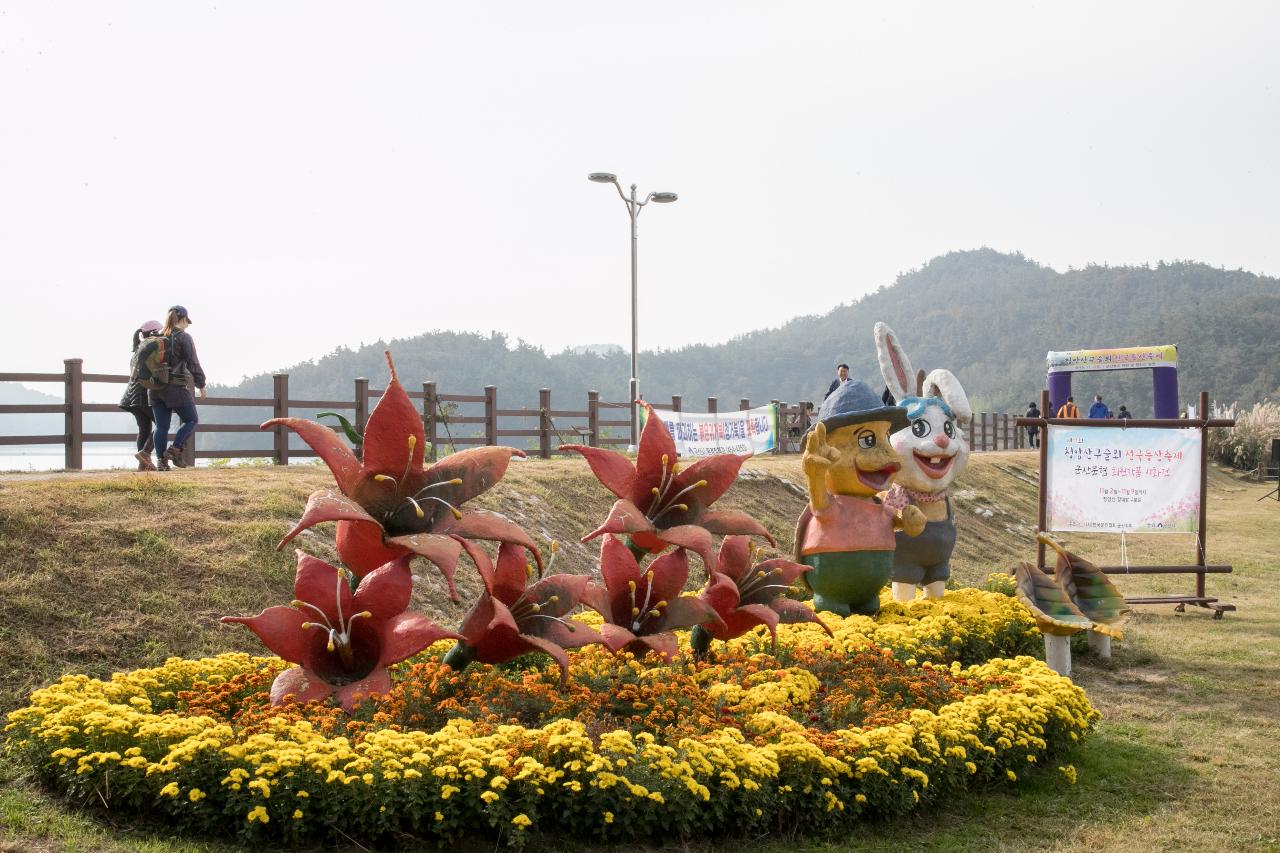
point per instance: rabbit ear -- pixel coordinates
(943, 383)
(895, 367)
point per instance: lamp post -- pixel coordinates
(634, 206)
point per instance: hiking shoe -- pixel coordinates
(174, 455)
(162, 465)
(144, 461)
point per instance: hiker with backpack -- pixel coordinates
(134, 400)
(172, 372)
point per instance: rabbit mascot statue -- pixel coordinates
(934, 452)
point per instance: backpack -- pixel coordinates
(152, 367)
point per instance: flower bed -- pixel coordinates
(880, 718)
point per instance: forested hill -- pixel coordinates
(988, 317)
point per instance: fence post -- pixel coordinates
(593, 417)
(73, 403)
(362, 404)
(429, 404)
(778, 445)
(711, 405)
(676, 402)
(491, 414)
(544, 423)
(281, 438)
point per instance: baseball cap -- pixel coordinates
(182, 313)
(150, 326)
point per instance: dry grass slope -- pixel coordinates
(114, 571)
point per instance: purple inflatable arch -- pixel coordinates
(1162, 361)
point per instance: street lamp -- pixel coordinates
(634, 207)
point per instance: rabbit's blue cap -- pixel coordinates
(854, 402)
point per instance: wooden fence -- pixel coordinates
(451, 420)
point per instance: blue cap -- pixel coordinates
(854, 402)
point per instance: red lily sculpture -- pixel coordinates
(389, 504)
(660, 505)
(342, 641)
(745, 595)
(643, 609)
(512, 619)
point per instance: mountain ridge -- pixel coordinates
(987, 316)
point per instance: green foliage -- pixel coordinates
(1221, 320)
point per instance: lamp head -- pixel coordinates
(603, 177)
(665, 198)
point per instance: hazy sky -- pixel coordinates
(304, 175)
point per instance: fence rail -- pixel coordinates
(550, 426)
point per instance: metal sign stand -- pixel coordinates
(1199, 568)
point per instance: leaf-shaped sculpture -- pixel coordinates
(1090, 589)
(353, 434)
(1048, 602)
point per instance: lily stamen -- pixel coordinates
(408, 465)
(456, 481)
(566, 623)
(671, 508)
(457, 513)
(751, 585)
(302, 604)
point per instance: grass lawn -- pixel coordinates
(114, 571)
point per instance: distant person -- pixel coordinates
(1099, 409)
(842, 375)
(177, 397)
(1033, 433)
(135, 402)
(1069, 409)
(887, 397)
(1123, 414)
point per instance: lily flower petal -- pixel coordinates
(721, 592)
(394, 440)
(332, 450)
(386, 590)
(655, 458)
(793, 612)
(280, 630)
(732, 521)
(685, 611)
(624, 517)
(406, 634)
(744, 619)
(375, 683)
(615, 637)
(664, 644)
(328, 505)
(299, 684)
(362, 545)
(614, 471)
(719, 472)
(696, 539)
(479, 469)
(490, 525)
(443, 551)
(321, 585)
